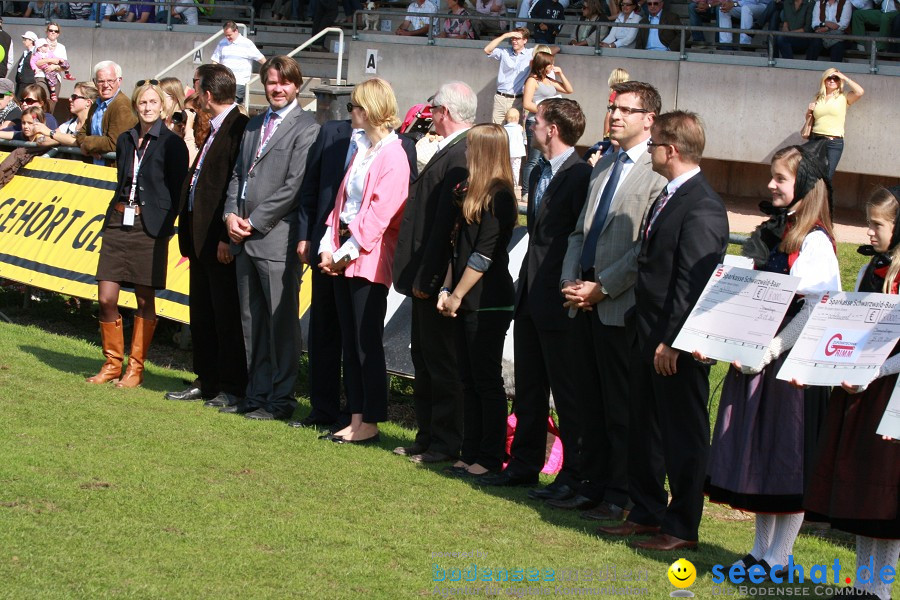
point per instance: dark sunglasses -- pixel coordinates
(30, 101)
(351, 106)
(53, 31)
(150, 81)
(75, 97)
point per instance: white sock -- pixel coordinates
(765, 524)
(786, 529)
(885, 553)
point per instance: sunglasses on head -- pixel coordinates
(150, 81)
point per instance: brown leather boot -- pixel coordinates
(140, 342)
(113, 349)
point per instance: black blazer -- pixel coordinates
(489, 237)
(687, 241)
(548, 235)
(323, 176)
(423, 251)
(667, 37)
(159, 181)
(207, 228)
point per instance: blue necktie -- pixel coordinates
(590, 243)
(543, 182)
(350, 152)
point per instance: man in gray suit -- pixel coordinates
(597, 280)
(261, 220)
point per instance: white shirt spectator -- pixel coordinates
(59, 51)
(419, 22)
(624, 37)
(115, 12)
(843, 20)
(238, 56)
(188, 11)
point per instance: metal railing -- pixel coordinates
(53, 151)
(303, 46)
(190, 53)
(871, 42)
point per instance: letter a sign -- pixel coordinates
(371, 62)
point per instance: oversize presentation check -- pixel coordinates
(890, 422)
(737, 315)
(847, 338)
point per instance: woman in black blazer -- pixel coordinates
(479, 291)
(152, 163)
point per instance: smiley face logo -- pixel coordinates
(682, 573)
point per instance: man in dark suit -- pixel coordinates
(658, 39)
(326, 165)
(420, 264)
(261, 221)
(598, 278)
(218, 344)
(684, 237)
(547, 358)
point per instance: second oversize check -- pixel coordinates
(738, 314)
(847, 338)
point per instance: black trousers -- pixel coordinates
(361, 306)
(479, 348)
(437, 391)
(669, 436)
(604, 408)
(324, 346)
(546, 361)
(220, 360)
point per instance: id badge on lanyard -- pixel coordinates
(128, 217)
(262, 145)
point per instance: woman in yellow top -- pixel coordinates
(829, 110)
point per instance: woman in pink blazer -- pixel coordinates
(358, 249)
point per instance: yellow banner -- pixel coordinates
(51, 217)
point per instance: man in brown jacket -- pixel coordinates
(109, 117)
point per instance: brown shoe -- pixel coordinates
(664, 543)
(113, 349)
(605, 512)
(140, 342)
(628, 528)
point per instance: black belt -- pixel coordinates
(343, 232)
(509, 95)
(827, 137)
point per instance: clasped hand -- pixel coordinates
(582, 295)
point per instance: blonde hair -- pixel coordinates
(88, 89)
(172, 86)
(542, 49)
(813, 209)
(883, 203)
(828, 73)
(618, 76)
(376, 97)
(513, 115)
(487, 147)
(139, 91)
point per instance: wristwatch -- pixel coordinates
(52, 133)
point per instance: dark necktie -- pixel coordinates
(657, 208)
(589, 249)
(543, 182)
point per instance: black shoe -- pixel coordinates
(507, 479)
(310, 423)
(223, 399)
(409, 450)
(577, 502)
(551, 492)
(261, 414)
(191, 393)
(237, 409)
(330, 437)
(366, 442)
(605, 511)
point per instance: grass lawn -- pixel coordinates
(120, 493)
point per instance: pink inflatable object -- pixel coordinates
(555, 460)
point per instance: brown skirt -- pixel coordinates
(129, 256)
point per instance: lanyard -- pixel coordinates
(264, 139)
(138, 159)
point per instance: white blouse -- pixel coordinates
(817, 265)
(624, 37)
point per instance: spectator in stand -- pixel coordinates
(109, 117)
(414, 25)
(701, 12)
(545, 33)
(80, 10)
(794, 18)
(515, 62)
(623, 37)
(6, 47)
(457, 27)
(79, 105)
(491, 8)
(237, 53)
(747, 10)
(592, 10)
(829, 17)
(46, 10)
(31, 115)
(19, 157)
(525, 10)
(34, 95)
(658, 39)
(24, 71)
(58, 50)
(879, 17)
(52, 66)
(115, 12)
(324, 15)
(141, 13)
(184, 12)
(10, 112)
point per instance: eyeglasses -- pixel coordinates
(75, 97)
(150, 81)
(30, 101)
(107, 82)
(653, 3)
(351, 106)
(625, 110)
(651, 145)
(624, 4)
